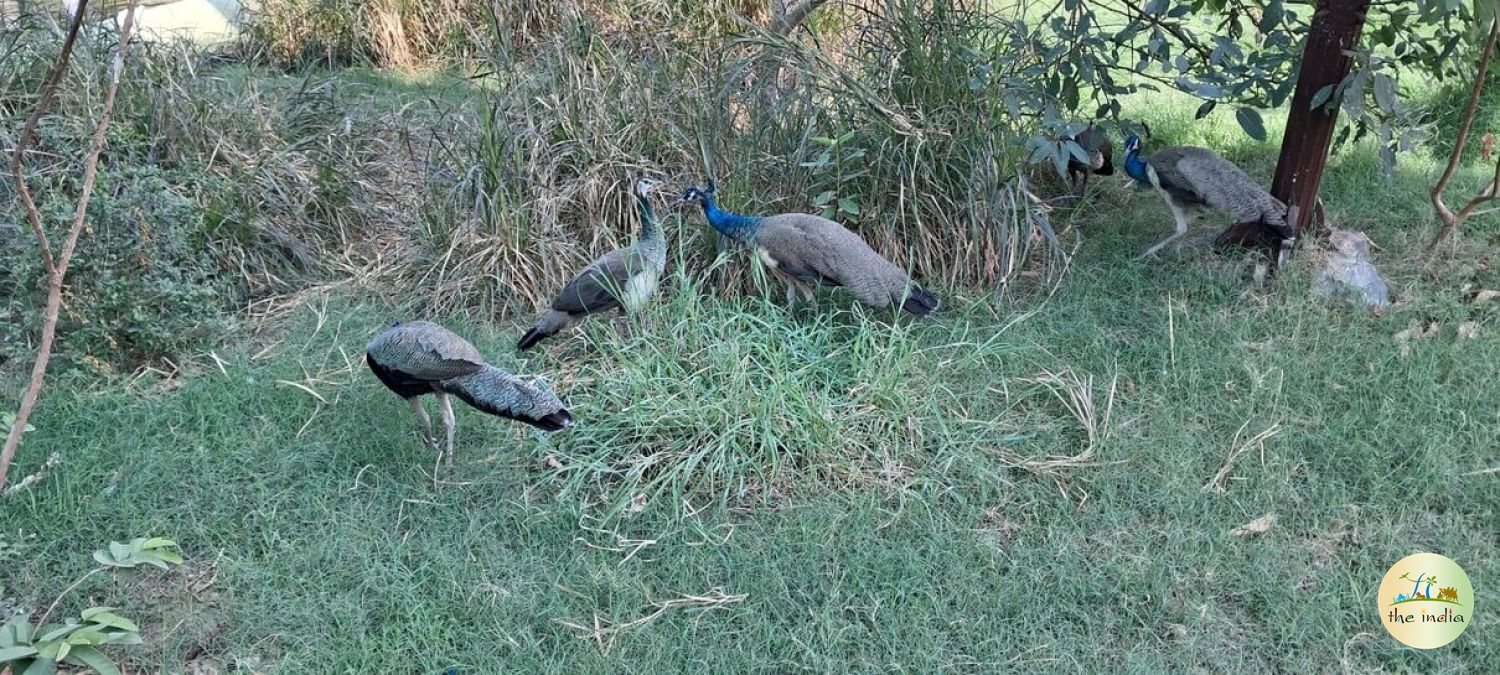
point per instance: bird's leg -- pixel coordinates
(448, 422)
(1182, 228)
(416, 406)
(622, 326)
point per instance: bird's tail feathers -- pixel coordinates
(920, 302)
(499, 393)
(550, 323)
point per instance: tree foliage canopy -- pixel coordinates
(1241, 55)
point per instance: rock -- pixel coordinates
(1346, 271)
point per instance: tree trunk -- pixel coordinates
(1335, 28)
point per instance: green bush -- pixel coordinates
(142, 285)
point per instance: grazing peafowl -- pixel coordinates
(419, 358)
(622, 279)
(1191, 177)
(804, 249)
(1095, 142)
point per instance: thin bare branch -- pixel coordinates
(28, 136)
(1450, 219)
(58, 269)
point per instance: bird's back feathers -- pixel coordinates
(1195, 176)
(420, 357)
(815, 249)
(424, 352)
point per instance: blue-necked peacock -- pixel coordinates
(622, 279)
(807, 250)
(1191, 177)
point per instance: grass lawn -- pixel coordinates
(824, 491)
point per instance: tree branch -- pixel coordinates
(59, 268)
(1450, 219)
(28, 136)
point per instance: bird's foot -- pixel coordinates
(1284, 254)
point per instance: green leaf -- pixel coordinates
(9, 654)
(1385, 92)
(158, 542)
(848, 206)
(823, 198)
(16, 632)
(1156, 7)
(1076, 151)
(57, 632)
(1205, 109)
(1271, 17)
(118, 551)
(1060, 161)
(1321, 97)
(1250, 121)
(107, 618)
(90, 657)
(41, 666)
(118, 638)
(62, 651)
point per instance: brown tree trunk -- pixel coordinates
(1335, 28)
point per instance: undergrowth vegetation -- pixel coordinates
(483, 198)
(1053, 472)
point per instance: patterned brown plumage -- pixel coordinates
(421, 357)
(1191, 178)
(807, 250)
(1095, 142)
(622, 279)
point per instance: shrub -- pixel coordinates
(142, 285)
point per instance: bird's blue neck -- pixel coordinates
(730, 224)
(1135, 166)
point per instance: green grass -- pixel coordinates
(838, 491)
(884, 542)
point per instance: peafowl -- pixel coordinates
(804, 249)
(1095, 142)
(1191, 177)
(420, 357)
(622, 279)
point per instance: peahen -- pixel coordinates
(1095, 142)
(804, 249)
(1190, 177)
(621, 279)
(419, 357)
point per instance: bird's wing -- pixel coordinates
(1219, 183)
(806, 247)
(597, 287)
(814, 248)
(428, 352)
(1177, 172)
